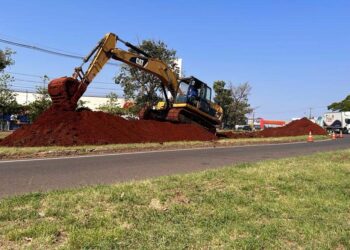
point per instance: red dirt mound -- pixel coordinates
(295, 128)
(237, 135)
(86, 127)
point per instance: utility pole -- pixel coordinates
(45, 80)
(253, 113)
(310, 116)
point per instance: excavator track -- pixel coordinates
(147, 113)
(182, 115)
(176, 115)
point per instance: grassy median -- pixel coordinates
(301, 202)
(35, 152)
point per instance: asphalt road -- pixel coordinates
(22, 176)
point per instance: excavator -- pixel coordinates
(187, 100)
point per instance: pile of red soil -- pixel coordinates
(86, 127)
(295, 128)
(237, 135)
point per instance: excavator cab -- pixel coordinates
(196, 93)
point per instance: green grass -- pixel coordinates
(30, 152)
(291, 203)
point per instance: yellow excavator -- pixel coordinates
(187, 100)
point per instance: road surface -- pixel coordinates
(22, 176)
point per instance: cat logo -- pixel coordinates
(139, 61)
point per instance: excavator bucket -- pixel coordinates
(63, 92)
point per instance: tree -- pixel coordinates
(6, 58)
(112, 106)
(234, 102)
(7, 96)
(81, 105)
(223, 98)
(142, 87)
(41, 103)
(343, 105)
(8, 103)
(240, 106)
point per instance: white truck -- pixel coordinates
(337, 121)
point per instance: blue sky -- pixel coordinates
(294, 54)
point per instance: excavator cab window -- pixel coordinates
(205, 96)
(196, 93)
(193, 90)
(182, 93)
(189, 92)
(207, 93)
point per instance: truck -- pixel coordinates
(337, 121)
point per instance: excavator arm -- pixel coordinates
(66, 91)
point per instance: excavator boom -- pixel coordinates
(66, 91)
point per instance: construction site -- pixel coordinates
(174, 125)
(71, 128)
(188, 112)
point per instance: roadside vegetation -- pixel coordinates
(54, 151)
(291, 203)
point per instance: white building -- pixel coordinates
(92, 102)
(178, 66)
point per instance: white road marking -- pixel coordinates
(151, 152)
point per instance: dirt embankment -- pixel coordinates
(70, 128)
(294, 128)
(87, 127)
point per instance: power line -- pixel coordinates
(40, 49)
(37, 44)
(18, 84)
(31, 81)
(25, 80)
(34, 89)
(23, 74)
(295, 110)
(90, 88)
(38, 76)
(52, 52)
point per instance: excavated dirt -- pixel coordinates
(69, 128)
(294, 128)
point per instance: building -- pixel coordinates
(92, 102)
(178, 66)
(261, 123)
